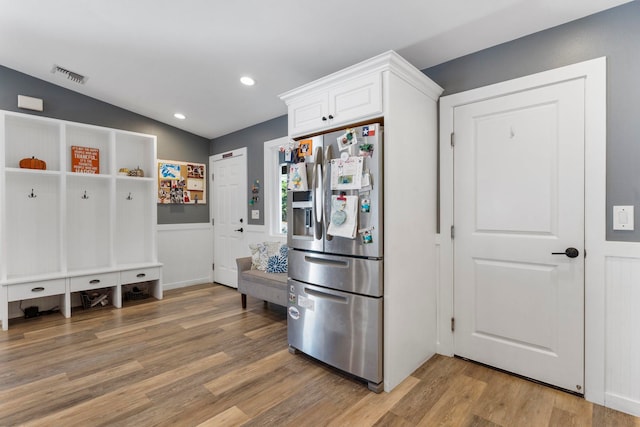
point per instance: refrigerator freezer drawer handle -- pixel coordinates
(323, 295)
(331, 262)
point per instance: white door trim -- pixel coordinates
(594, 73)
(271, 190)
(231, 153)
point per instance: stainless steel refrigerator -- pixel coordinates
(335, 239)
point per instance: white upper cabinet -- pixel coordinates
(355, 94)
(356, 99)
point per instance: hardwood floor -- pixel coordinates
(197, 359)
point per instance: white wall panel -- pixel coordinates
(622, 354)
(186, 252)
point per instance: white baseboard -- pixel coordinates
(623, 404)
(186, 283)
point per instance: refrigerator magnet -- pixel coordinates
(347, 139)
(367, 237)
(368, 131)
(305, 148)
(366, 181)
(294, 313)
(365, 205)
(366, 150)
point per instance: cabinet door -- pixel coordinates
(306, 114)
(356, 99)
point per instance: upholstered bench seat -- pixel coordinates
(271, 287)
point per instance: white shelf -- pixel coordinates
(31, 171)
(57, 224)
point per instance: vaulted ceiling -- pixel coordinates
(156, 57)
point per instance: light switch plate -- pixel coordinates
(623, 217)
(255, 214)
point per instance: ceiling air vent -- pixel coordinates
(74, 77)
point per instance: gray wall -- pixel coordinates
(253, 138)
(64, 104)
(615, 34)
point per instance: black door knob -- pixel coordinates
(570, 252)
(239, 229)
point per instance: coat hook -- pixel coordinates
(84, 196)
(129, 196)
(32, 195)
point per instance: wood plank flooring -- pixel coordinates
(197, 359)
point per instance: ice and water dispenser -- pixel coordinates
(301, 209)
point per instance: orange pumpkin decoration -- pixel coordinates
(33, 163)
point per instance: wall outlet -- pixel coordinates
(255, 214)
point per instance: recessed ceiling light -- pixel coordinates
(179, 116)
(247, 81)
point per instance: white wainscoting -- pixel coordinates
(622, 326)
(186, 252)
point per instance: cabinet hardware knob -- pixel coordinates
(94, 281)
(140, 275)
(38, 289)
(324, 119)
(330, 117)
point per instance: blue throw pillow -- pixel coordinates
(284, 250)
(277, 264)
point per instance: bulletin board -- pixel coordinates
(182, 182)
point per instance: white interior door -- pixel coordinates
(519, 198)
(228, 213)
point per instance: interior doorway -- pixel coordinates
(519, 233)
(592, 76)
(228, 213)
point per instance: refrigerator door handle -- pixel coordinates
(325, 261)
(317, 195)
(326, 184)
(327, 296)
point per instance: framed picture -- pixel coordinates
(85, 159)
(182, 182)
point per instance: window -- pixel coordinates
(275, 187)
(283, 198)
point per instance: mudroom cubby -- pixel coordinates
(77, 211)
